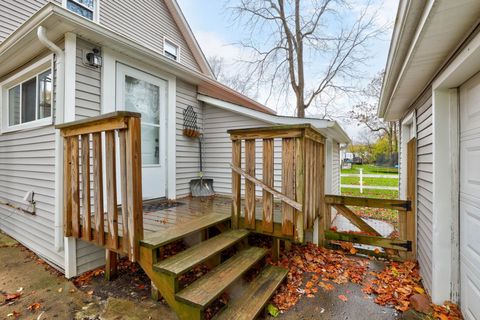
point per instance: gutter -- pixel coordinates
(59, 118)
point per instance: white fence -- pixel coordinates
(361, 186)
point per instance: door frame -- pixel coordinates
(109, 103)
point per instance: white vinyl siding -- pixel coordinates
(424, 191)
(146, 22)
(14, 12)
(187, 154)
(336, 168)
(87, 104)
(27, 163)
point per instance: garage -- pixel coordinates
(470, 198)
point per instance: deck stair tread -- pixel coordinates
(164, 237)
(252, 301)
(185, 260)
(206, 289)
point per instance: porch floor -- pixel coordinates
(189, 208)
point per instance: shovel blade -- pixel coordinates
(202, 187)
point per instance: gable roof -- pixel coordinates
(23, 45)
(425, 35)
(187, 33)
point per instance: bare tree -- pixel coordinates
(313, 48)
(235, 80)
(365, 113)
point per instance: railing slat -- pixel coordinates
(111, 188)
(288, 183)
(249, 185)
(123, 187)
(87, 219)
(134, 186)
(75, 187)
(299, 186)
(67, 187)
(98, 188)
(236, 182)
(268, 173)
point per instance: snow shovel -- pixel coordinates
(201, 187)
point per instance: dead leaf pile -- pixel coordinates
(324, 266)
(396, 284)
(449, 311)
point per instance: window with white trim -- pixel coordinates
(85, 8)
(30, 100)
(170, 50)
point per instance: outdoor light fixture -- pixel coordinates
(94, 58)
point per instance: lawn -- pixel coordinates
(390, 216)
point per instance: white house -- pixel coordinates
(432, 85)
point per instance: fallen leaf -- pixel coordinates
(353, 251)
(14, 314)
(90, 292)
(34, 306)
(419, 290)
(12, 296)
(272, 310)
(377, 251)
(343, 298)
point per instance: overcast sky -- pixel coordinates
(218, 35)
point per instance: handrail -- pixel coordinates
(84, 161)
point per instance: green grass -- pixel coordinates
(371, 181)
(368, 193)
(370, 168)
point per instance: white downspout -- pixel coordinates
(59, 118)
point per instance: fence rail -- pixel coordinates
(362, 186)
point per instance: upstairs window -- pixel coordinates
(85, 8)
(171, 50)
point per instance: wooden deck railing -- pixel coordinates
(368, 235)
(302, 176)
(90, 154)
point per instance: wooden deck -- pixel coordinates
(189, 208)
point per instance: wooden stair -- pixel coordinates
(191, 301)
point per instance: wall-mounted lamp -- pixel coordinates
(94, 58)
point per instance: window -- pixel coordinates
(30, 100)
(85, 8)
(170, 50)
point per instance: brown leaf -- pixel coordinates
(34, 306)
(12, 296)
(343, 298)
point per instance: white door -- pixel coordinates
(144, 93)
(470, 198)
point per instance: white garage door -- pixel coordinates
(470, 198)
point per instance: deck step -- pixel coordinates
(203, 291)
(199, 253)
(252, 301)
(164, 237)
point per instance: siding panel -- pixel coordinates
(424, 190)
(13, 13)
(146, 22)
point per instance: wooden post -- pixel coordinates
(134, 186)
(110, 159)
(268, 174)
(275, 249)
(411, 179)
(87, 218)
(250, 218)
(236, 182)
(288, 184)
(299, 187)
(111, 269)
(122, 143)
(98, 188)
(75, 187)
